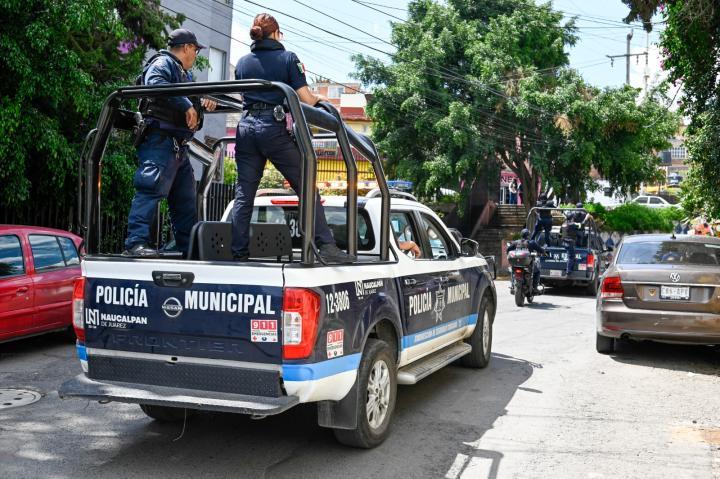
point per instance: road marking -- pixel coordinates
(456, 467)
(477, 468)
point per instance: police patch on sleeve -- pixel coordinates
(301, 67)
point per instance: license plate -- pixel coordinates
(556, 273)
(675, 292)
(582, 267)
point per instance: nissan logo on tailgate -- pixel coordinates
(172, 307)
(674, 277)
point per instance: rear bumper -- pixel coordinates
(83, 387)
(575, 276)
(616, 320)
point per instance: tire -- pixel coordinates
(604, 345)
(481, 338)
(377, 374)
(165, 413)
(594, 285)
(519, 296)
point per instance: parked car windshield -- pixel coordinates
(669, 252)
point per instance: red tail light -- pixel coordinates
(300, 313)
(612, 288)
(590, 261)
(78, 307)
(519, 273)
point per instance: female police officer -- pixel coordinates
(261, 136)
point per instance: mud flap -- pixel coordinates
(340, 414)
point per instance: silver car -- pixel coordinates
(662, 288)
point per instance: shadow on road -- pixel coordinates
(436, 421)
(693, 359)
(41, 344)
(567, 292)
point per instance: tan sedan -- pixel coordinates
(661, 288)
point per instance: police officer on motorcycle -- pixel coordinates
(164, 169)
(531, 245)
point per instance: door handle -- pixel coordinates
(410, 282)
(22, 290)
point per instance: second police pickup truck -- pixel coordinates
(176, 335)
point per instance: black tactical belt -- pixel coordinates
(261, 107)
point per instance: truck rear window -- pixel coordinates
(334, 215)
(669, 252)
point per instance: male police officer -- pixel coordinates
(531, 245)
(580, 217)
(569, 231)
(262, 135)
(164, 170)
(544, 218)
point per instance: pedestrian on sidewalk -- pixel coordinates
(513, 192)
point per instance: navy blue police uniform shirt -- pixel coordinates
(268, 60)
(166, 68)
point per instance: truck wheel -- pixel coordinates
(604, 345)
(594, 285)
(377, 378)
(481, 338)
(519, 296)
(165, 413)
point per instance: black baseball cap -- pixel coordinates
(182, 36)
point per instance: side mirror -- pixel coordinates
(469, 247)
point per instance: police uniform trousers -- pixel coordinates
(543, 224)
(569, 244)
(164, 171)
(259, 138)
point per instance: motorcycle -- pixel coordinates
(521, 275)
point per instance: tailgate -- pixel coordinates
(557, 260)
(185, 324)
(683, 288)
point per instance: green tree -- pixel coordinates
(691, 51)
(60, 59)
(475, 83)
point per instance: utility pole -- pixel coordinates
(627, 56)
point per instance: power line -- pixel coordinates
(319, 28)
(344, 23)
(385, 6)
(368, 5)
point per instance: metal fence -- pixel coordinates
(113, 228)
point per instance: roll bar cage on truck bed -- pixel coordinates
(326, 117)
(590, 254)
(259, 337)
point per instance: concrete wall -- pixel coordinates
(206, 18)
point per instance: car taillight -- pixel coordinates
(611, 288)
(300, 313)
(78, 306)
(590, 261)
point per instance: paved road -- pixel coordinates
(547, 406)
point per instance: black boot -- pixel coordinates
(330, 253)
(141, 250)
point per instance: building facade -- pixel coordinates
(331, 171)
(211, 21)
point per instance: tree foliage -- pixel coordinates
(691, 47)
(475, 84)
(60, 59)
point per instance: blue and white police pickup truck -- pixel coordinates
(176, 335)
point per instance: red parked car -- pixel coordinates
(37, 269)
